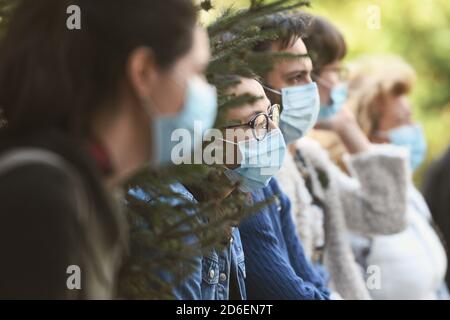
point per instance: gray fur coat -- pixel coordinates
(372, 200)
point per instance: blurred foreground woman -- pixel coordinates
(83, 110)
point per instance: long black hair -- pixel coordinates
(51, 76)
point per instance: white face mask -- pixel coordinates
(261, 160)
(411, 137)
(301, 106)
(200, 106)
(338, 97)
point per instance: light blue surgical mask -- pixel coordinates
(300, 110)
(261, 160)
(338, 96)
(413, 138)
(200, 109)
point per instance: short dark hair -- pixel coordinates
(51, 76)
(289, 27)
(325, 43)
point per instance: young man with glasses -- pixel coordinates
(276, 267)
(220, 273)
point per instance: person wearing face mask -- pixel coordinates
(436, 190)
(220, 274)
(326, 201)
(253, 149)
(413, 262)
(84, 109)
(276, 266)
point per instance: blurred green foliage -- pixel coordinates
(417, 30)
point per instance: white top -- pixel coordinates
(412, 263)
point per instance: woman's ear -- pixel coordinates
(142, 72)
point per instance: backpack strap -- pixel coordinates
(18, 157)
(23, 156)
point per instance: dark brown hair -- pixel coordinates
(289, 27)
(51, 76)
(325, 43)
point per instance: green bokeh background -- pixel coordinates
(417, 30)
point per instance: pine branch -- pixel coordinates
(257, 9)
(158, 228)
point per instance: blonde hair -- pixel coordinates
(373, 77)
(370, 78)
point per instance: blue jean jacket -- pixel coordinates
(276, 263)
(212, 273)
(219, 266)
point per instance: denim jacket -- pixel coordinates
(277, 265)
(211, 277)
(219, 266)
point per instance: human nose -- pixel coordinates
(406, 110)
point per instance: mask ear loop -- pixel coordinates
(228, 141)
(149, 103)
(231, 142)
(271, 90)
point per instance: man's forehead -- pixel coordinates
(252, 88)
(302, 60)
(249, 109)
(298, 48)
(248, 86)
(296, 64)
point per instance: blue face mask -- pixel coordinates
(261, 160)
(413, 138)
(200, 109)
(300, 110)
(338, 97)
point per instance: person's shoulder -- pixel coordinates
(275, 190)
(40, 194)
(38, 177)
(274, 186)
(42, 171)
(262, 194)
(20, 161)
(268, 202)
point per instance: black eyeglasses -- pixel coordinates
(259, 123)
(274, 112)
